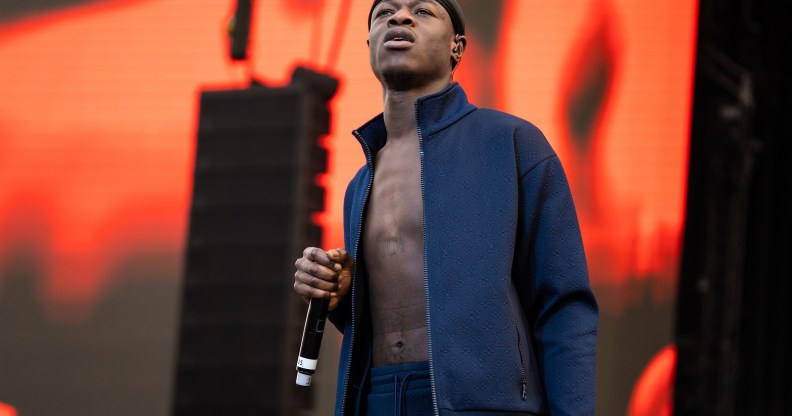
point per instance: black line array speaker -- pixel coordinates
(254, 193)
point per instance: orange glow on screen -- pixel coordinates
(99, 104)
(628, 168)
(654, 392)
(6, 410)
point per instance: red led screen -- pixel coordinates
(98, 115)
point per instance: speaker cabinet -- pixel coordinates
(254, 193)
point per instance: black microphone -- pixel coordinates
(311, 340)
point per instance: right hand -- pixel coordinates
(323, 275)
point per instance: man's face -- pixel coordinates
(410, 43)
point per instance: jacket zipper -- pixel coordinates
(523, 380)
(425, 270)
(370, 162)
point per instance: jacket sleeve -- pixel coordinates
(556, 295)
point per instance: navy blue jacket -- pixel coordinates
(512, 320)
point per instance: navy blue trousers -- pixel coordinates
(400, 390)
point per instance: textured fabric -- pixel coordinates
(451, 6)
(512, 319)
(400, 390)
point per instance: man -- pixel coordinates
(465, 289)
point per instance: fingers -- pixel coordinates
(316, 275)
(318, 256)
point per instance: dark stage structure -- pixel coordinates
(733, 314)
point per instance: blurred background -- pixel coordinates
(106, 138)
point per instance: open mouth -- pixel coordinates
(399, 37)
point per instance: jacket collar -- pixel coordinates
(435, 112)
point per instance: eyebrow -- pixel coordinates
(411, 3)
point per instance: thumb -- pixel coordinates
(340, 255)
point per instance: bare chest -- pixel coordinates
(394, 215)
(393, 246)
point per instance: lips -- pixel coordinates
(399, 37)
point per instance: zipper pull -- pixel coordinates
(524, 392)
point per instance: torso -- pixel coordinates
(394, 247)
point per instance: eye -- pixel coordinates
(384, 12)
(424, 12)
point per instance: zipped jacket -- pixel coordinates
(511, 318)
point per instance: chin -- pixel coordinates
(403, 78)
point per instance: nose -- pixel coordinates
(402, 17)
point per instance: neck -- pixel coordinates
(399, 108)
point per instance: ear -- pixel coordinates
(459, 45)
(457, 49)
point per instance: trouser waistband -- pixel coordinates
(400, 389)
